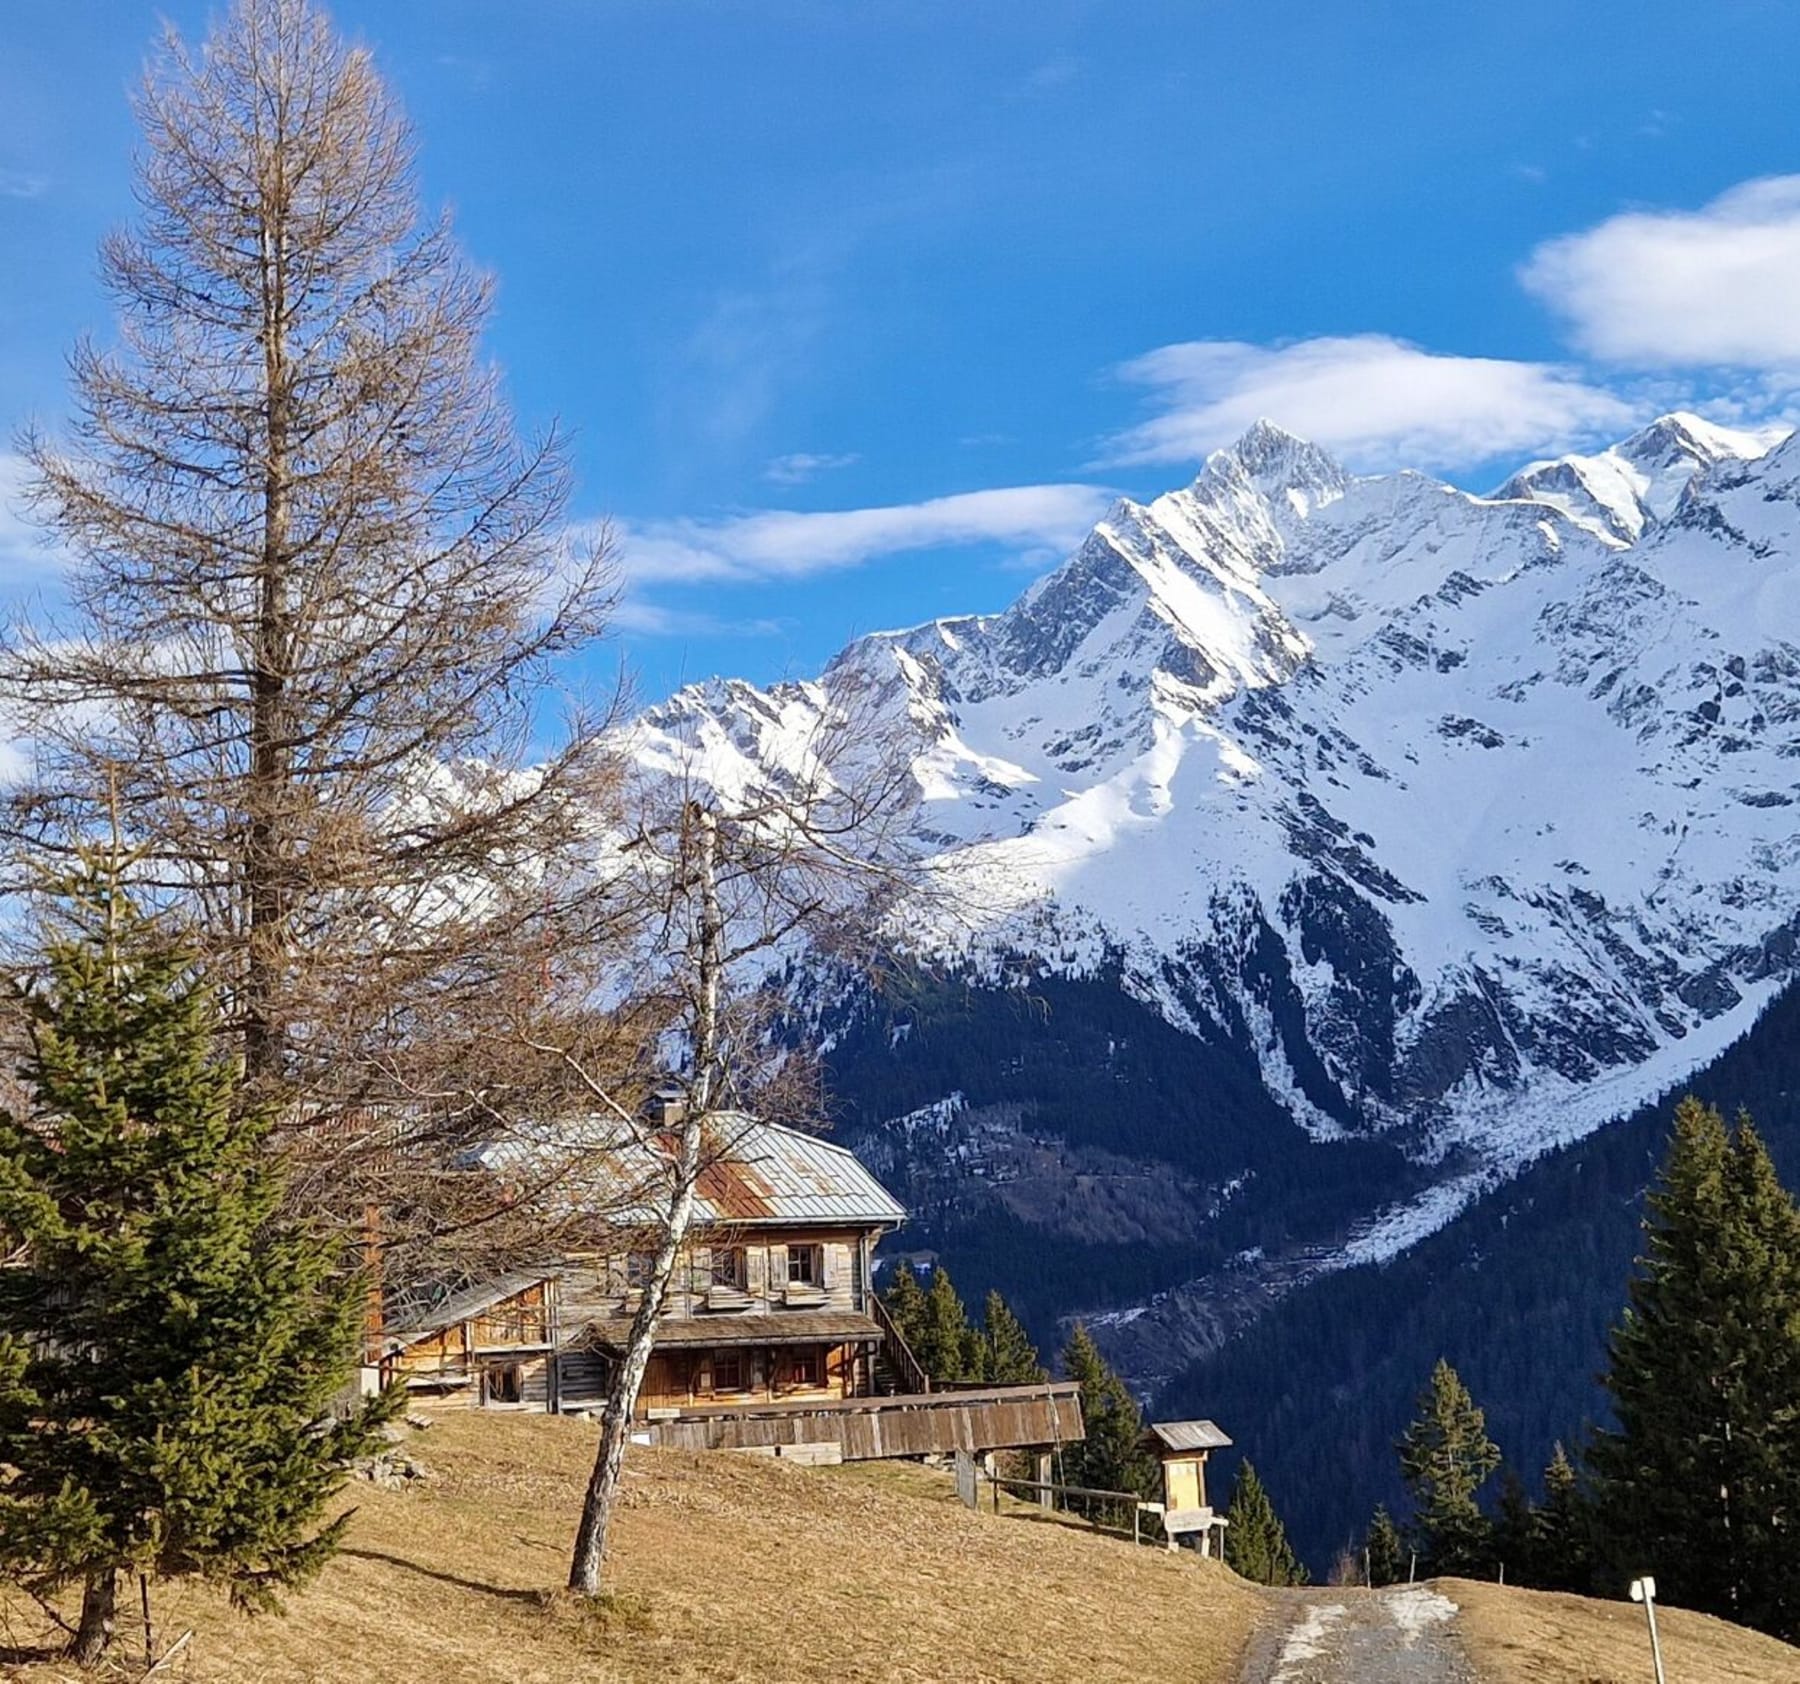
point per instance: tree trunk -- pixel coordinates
(684, 1173)
(99, 1609)
(269, 748)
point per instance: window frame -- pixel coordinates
(738, 1369)
(813, 1257)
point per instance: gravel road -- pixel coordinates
(1406, 1635)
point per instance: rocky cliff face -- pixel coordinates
(1469, 820)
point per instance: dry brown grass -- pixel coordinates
(1538, 1637)
(726, 1568)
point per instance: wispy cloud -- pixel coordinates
(1662, 289)
(22, 184)
(785, 544)
(1377, 401)
(799, 466)
(26, 561)
(1051, 74)
(639, 618)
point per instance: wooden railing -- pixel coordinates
(913, 1377)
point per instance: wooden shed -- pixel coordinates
(490, 1345)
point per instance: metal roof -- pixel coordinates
(789, 1327)
(1189, 1435)
(757, 1174)
(419, 1316)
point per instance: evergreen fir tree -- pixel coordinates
(171, 1341)
(1256, 1545)
(1008, 1357)
(1113, 1456)
(1445, 1458)
(1515, 1532)
(1700, 1481)
(1562, 1551)
(947, 1347)
(904, 1299)
(1385, 1550)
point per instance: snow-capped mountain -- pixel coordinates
(1472, 819)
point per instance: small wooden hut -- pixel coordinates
(1182, 1448)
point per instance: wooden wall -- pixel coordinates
(596, 1284)
(678, 1378)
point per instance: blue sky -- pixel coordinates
(861, 310)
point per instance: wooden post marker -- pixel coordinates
(1644, 1590)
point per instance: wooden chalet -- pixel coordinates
(772, 1300)
(772, 1336)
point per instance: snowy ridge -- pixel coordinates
(1475, 819)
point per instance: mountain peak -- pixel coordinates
(1681, 436)
(1275, 463)
(1620, 492)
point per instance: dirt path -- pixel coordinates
(1406, 1635)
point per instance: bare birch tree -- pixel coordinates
(810, 863)
(320, 596)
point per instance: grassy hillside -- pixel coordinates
(734, 1569)
(1537, 1637)
(726, 1568)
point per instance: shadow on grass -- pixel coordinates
(532, 1597)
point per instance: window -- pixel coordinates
(807, 1367)
(728, 1267)
(728, 1371)
(803, 1265)
(639, 1266)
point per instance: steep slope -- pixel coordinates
(1462, 823)
(1518, 1292)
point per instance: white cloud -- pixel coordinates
(1684, 288)
(803, 465)
(642, 618)
(25, 560)
(22, 184)
(785, 544)
(1377, 401)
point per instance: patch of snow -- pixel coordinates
(1415, 1610)
(1306, 1642)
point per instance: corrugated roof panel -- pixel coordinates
(1189, 1435)
(761, 1174)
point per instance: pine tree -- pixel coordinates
(1008, 1357)
(1256, 1544)
(1112, 1457)
(947, 1347)
(1700, 1481)
(1561, 1549)
(171, 1342)
(905, 1302)
(1445, 1458)
(1385, 1551)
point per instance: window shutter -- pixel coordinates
(828, 1265)
(756, 1278)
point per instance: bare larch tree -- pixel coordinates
(322, 603)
